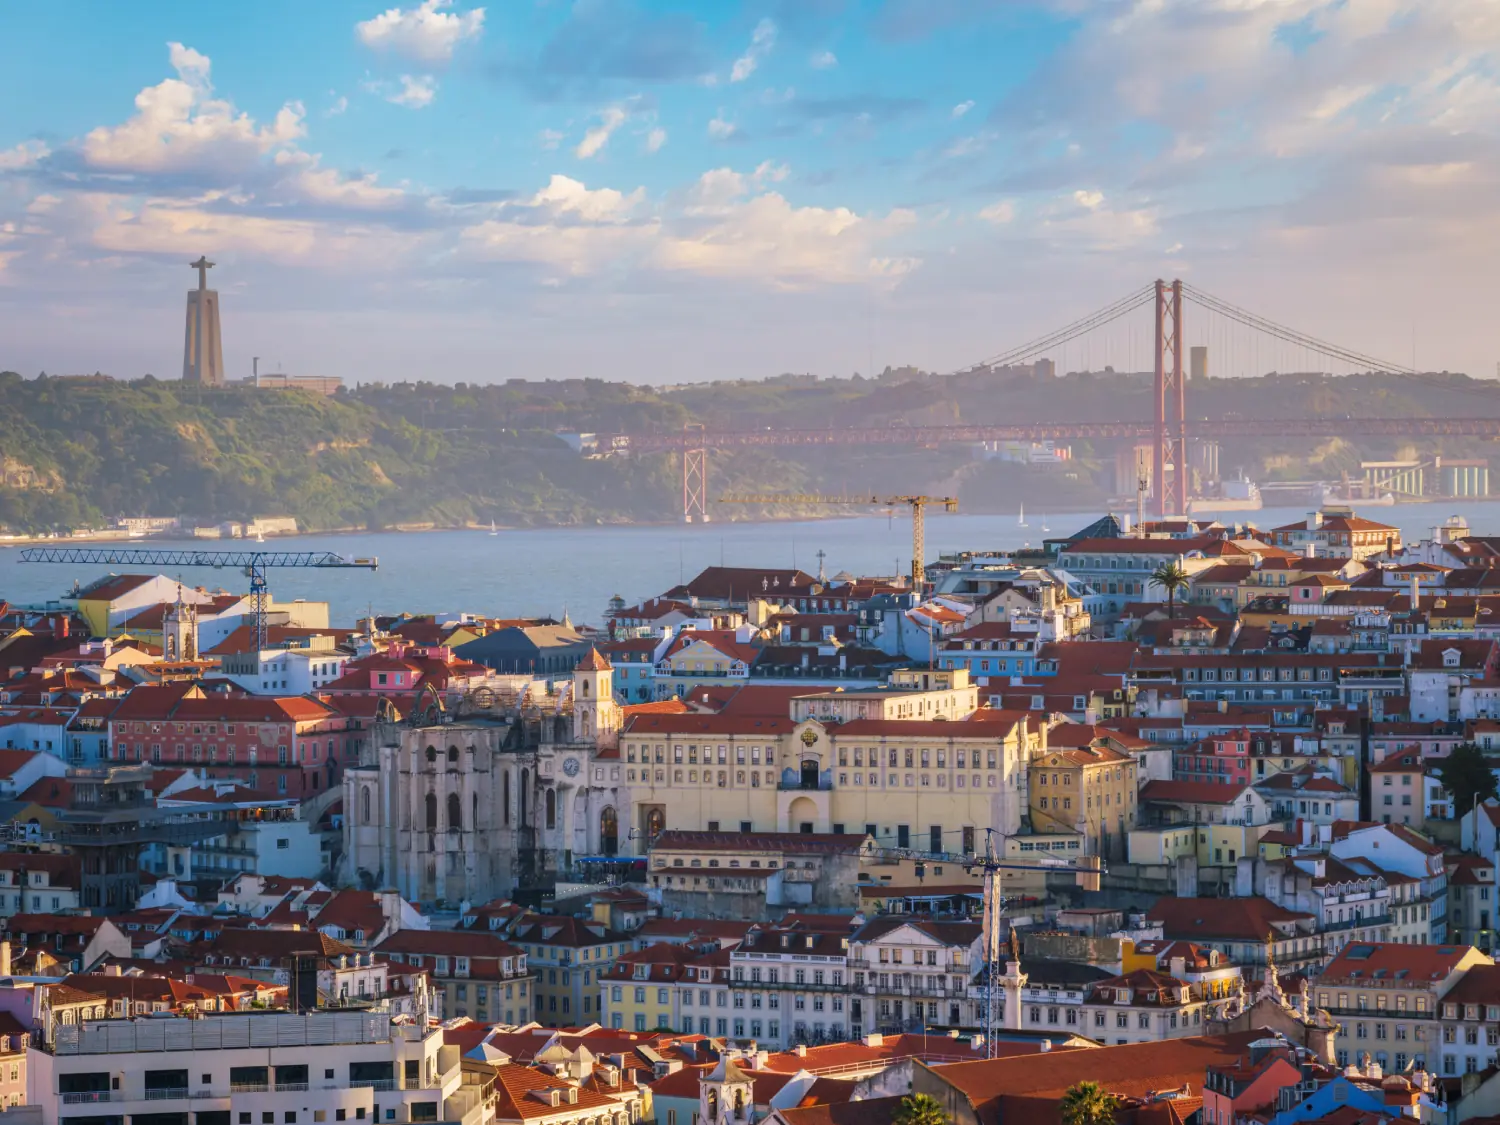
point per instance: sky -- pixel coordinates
(665, 192)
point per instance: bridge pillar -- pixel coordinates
(1173, 473)
(694, 475)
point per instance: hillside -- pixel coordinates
(79, 451)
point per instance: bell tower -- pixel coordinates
(596, 715)
(179, 630)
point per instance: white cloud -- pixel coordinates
(823, 60)
(766, 240)
(178, 125)
(962, 108)
(340, 104)
(999, 213)
(415, 92)
(549, 139)
(721, 130)
(655, 139)
(769, 172)
(566, 227)
(596, 138)
(24, 155)
(1088, 200)
(761, 42)
(425, 33)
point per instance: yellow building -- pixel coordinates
(1090, 791)
(927, 784)
(667, 986)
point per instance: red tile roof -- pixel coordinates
(1233, 919)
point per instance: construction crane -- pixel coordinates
(253, 563)
(1088, 871)
(917, 504)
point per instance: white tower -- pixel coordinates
(596, 715)
(726, 1096)
(179, 631)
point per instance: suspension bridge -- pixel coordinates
(1242, 341)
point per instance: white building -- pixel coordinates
(333, 1067)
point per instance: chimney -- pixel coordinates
(64, 626)
(4, 958)
(800, 1050)
(1416, 592)
(1314, 521)
(1044, 1046)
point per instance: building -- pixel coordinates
(669, 985)
(724, 874)
(326, 1066)
(1386, 996)
(1089, 791)
(1469, 1022)
(478, 974)
(1398, 788)
(909, 974)
(510, 795)
(1337, 533)
(567, 956)
(203, 347)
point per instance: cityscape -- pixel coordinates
(816, 564)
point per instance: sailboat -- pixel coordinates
(1044, 522)
(259, 536)
(1021, 519)
(493, 529)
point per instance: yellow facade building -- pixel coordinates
(1090, 791)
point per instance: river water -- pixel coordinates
(550, 570)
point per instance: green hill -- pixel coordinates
(78, 451)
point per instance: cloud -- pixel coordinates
(720, 129)
(549, 139)
(761, 42)
(999, 213)
(1088, 200)
(415, 93)
(27, 154)
(339, 105)
(596, 138)
(823, 60)
(605, 45)
(962, 108)
(426, 33)
(179, 126)
(655, 139)
(765, 239)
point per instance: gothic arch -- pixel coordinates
(525, 789)
(432, 812)
(609, 831)
(505, 795)
(551, 808)
(455, 813)
(364, 804)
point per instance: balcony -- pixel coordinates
(379, 1084)
(89, 1097)
(166, 1094)
(291, 1087)
(249, 1087)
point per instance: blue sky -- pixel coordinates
(669, 191)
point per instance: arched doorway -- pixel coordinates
(609, 831)
(809, 778)
(802, 816)
(656, 823)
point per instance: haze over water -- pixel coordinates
(549, 570)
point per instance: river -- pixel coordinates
(552, 570)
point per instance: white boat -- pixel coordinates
(1044, 523)
(259, 538)
(1021, 519)
(493, 529)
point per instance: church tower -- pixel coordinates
(726, 1096)
(179, 631)
(596, 715)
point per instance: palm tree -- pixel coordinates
(1171, 578)
(920, 1109)
(1088, 1103)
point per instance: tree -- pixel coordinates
(1088, 1103)
(1467, 775)
(920, 1109)
(1171, 578)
